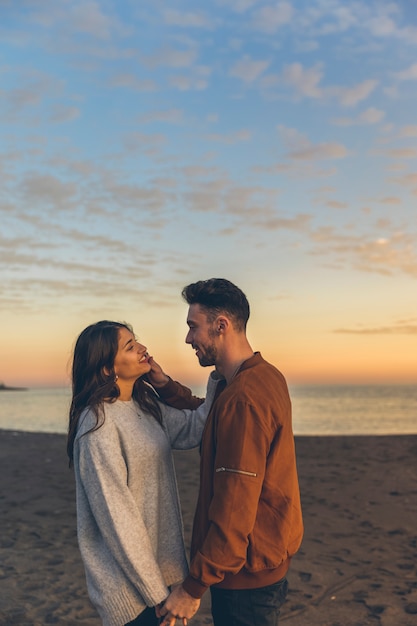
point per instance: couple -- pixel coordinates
(126, 415)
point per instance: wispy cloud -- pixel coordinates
(304, 81)
(408, 131)
(172, 57)
(187, 19)
(169, 116)
(330, 150)
(385, 256)
(399, 328)
(248, 70)
(408, 74)
(130, 81)
(299, 147)
(272, 17)
(231, 138)
(371, 115)
(351, 96)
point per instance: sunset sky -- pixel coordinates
(148, 144)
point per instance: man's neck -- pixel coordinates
(231, 365)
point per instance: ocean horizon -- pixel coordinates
(317, 409)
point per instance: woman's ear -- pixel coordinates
(107, 372)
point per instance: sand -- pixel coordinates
(357, 565)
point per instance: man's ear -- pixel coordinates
(222, 323)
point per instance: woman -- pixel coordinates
(119, 440)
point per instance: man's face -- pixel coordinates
(201, 336)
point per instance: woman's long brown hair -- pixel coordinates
(93, 378)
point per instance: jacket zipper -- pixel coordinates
(235, 471)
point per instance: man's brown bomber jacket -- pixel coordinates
(248, 521)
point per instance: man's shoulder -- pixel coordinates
(261, 371)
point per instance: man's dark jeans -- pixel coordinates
(248, 607)
(147, 618)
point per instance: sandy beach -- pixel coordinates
(357, 565)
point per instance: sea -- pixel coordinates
(317, 409)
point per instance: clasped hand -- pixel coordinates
(178, 605)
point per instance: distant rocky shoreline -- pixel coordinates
(4, 387)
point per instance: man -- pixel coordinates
(248, 521)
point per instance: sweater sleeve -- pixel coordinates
(103, 476)
(185, 427)
(242, 445)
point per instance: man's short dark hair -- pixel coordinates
(217, 296)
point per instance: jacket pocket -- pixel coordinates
(235, 471)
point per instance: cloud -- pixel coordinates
(239, 6)
(169, 116)
(231, 138)
(368, 117)
(174, 58)
(248, 70)
(408, 180)
(351, 96)
(336, 204)
(300, 148)
(89, 18)
(384, 255)
(21, 98)
(188, 83)
(390, 200)
(186, 19)
(80, 266)
(73, 18)
(382, 26)
(371, 116)
(298, 170)
(149, 144)
(130, 81)
(271, 18)
(304, 81)
(146, 199)
(61, 114)
(399, 328)
(409, 74)
(402, 153)
(36, 88)
(408, 131)
(307, 83)
(298, 223)
(48, 190)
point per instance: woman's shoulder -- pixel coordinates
(103, 416)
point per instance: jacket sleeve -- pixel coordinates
(185, 427)
(243, 440)
(178, 396)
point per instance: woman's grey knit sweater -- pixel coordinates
(128, 512)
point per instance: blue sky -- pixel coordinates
(145, 145)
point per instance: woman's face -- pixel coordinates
(131, 361)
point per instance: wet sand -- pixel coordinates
(357, 565)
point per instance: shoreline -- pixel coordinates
(357, 564)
